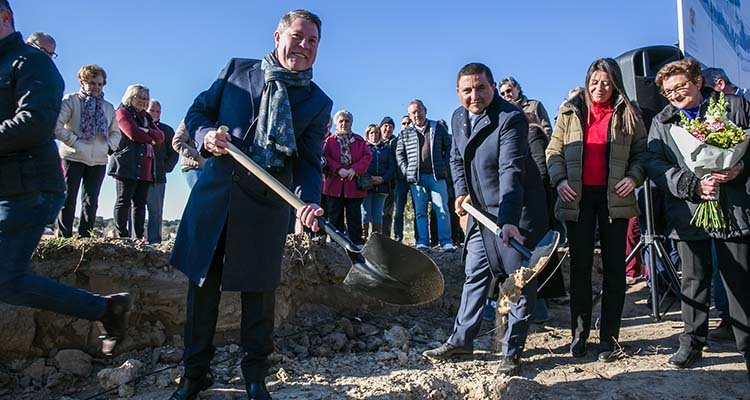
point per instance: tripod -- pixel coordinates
(655, 247)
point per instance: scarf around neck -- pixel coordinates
(346, 154)
(274, 135)
(93, 119)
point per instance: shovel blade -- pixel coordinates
(543, 251)
(394, 273)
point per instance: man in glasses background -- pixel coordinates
(44, 42)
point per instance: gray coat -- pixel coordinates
(407, 151)
(666, 167)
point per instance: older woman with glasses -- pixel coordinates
(347, 157)
(594, 162)
(132, 164)
(87, 131)
(681, 83)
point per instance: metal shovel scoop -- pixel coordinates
(384, 269)
(536, 259)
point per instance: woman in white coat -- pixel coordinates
(87, 130)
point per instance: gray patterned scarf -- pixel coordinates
(346, 154)
(274, 135)
(93, 120)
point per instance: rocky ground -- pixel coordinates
(333, 344)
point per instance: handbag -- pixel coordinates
(365, 182)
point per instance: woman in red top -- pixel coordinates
(593, 160)
(132, 165)
(347, 157)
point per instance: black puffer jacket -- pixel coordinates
(31, 92)
(666, 167)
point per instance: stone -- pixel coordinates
(56, 379)
(439, 335)
(126, 391)
(18, 328)
(282, 375)
(347, 327)
(368, 330)
(402, 357)
(170, 355)
(385, 356)
(163, 380)
(36, 370)
(397, 337)
(233, 348)
(175, 374)
(336, 340)
(113, 377)
(75, 362)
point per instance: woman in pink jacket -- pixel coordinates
(347, 158)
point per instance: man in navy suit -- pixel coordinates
(492, 165)
(233, 230)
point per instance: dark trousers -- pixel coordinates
(477, 284)
(734, 257)
(593, 209)
(92, 178)
(256, 326)
(135, 192)
(337, 207)
(22, 221)
(155, 207)
(388, 213)
(401, 192)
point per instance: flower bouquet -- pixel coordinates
(709, 144)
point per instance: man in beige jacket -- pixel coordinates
(87, 131)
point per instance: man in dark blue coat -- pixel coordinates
(492, 165)
(233, 230)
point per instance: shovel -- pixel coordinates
(383, 269)
(537, 259)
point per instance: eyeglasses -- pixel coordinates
(507, 92)
(682, 88)
(52, 54)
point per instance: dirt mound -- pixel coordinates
(311, 272)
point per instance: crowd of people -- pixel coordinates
(580, 174)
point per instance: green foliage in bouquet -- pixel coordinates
(717, 130)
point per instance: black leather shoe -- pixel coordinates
(606, 356)
(684, 357)
(447, 351)
(189, 388)
(606, 352)
(509, 366)
(578, 348)
(114, 323)
(257, 391)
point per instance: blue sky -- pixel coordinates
(374, 57)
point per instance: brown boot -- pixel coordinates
(377, 228)
(365, 231)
